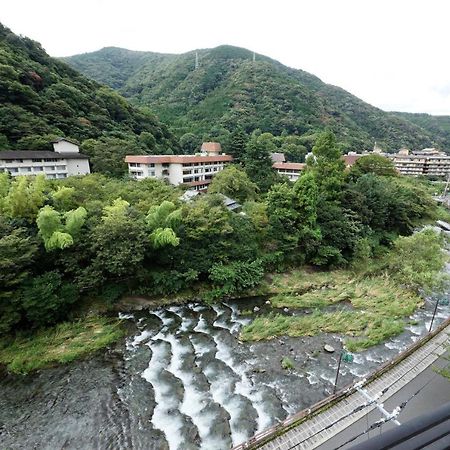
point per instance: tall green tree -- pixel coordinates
(327, 166)
(234, 183)
(238, 141)
(258, 162)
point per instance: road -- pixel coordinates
(434, 390)
(352, 415)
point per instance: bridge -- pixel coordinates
(325, 423)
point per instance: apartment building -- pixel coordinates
(195, 171)
(289, 169)
(428, 162)
(64, 161)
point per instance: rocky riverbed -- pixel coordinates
(183, 380)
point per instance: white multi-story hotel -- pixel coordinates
(289, 169)
(196, 171)
(429, 161)
(64, 161)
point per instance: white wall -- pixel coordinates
(77, 167)
(65, 147)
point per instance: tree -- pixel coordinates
(327, 166)
(417, 261)
(238, 141)
(374, 164)
(119, 242)
(46, 298)
(25, 196)
(292, 213)
(54, 233)
(163, 221)
(234, 183)
(190, 143)
(17, 254)
(258, 162)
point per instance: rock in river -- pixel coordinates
(328, 348)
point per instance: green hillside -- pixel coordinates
(229, 90)
(438, 126)
(42, 98)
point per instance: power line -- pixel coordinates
(359, 408)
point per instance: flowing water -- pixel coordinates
(182, 380)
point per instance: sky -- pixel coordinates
(394, 54)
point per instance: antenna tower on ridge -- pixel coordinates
(196, 60)
(254, 57)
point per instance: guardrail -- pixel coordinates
(292, 421)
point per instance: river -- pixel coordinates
(182, 380)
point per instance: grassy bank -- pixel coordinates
(376, 308)
(60, 344)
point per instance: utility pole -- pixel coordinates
(434, 313)
(347, 357)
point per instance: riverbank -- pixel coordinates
(367, 310)
(61, 344)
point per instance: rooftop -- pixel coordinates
(38, 154)
(175, 159)
(289, 165)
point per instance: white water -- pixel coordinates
(197, 347)
(166, 402)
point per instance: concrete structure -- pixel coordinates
(289, 169)
(322, 423)
(196, 171)
(277, 157)
(428, 162)
(64, 161)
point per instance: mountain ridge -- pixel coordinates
(230, 90)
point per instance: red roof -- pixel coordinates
(211, 147)
(175, 159)
(289, 165)
(350, 159)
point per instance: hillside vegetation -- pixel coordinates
(42, 98)
(230, 91)
(438, 126)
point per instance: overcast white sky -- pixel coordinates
(394, 54)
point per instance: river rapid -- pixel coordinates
(183, 380)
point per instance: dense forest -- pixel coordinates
(229, 91)
(42, 98)
(438, 126)
(61, 240)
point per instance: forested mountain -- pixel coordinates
(42, 98)
(438, 126)
(229, 90)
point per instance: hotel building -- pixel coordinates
(195, 171)
(64, 161)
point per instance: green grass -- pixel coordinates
(379, 308)
(287, 363)
(61, 344)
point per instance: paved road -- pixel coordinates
(340, 422)
(434, 390)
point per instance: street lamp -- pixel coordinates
(443, 301)
(346, 357)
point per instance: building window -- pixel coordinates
(25, 169)
(135, 165)
(151, 173)
(37, 160)
(13, 170)
(50, 160)
(60, 167)
(38, 169)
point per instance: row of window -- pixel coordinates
(34, 169)
(38, 160)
